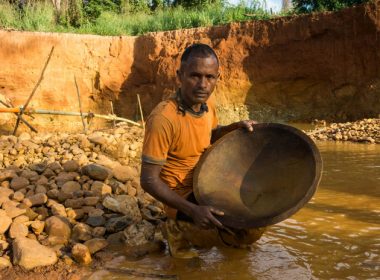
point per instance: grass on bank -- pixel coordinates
(41, 16)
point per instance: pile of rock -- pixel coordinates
(367, 130)
(57, 204)
(123, 144)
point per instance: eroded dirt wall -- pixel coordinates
(323, 66)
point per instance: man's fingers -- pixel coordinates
(216, 222)
(216, 212)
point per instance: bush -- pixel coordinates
(305, 6)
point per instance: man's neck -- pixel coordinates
(197, 109)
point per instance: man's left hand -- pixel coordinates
(247, 124)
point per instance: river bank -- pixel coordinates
(68, 199)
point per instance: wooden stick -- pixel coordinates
(63, 113)
(21, 118)
(33, 92)
(112, 113)
(80, 105)
(141, 112)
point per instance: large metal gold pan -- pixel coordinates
(258, 178)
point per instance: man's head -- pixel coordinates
(198, 74)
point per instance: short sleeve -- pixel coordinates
(157, 140)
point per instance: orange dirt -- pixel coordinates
(323, 66)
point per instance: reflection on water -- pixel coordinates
(335, 236)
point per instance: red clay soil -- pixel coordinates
(323, 66)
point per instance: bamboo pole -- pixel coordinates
(141, 112)
(63, 113)
(80, 105)
(33, 92)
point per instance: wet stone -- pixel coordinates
(58, 229)
(81, 254)
(96, 221)
(96, 244)
(118, 224)
(81, 232)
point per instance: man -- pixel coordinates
(178, 131)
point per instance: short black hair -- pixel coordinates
(198, 50)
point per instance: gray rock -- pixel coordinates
(29, 174)
(53, 193)
(71, 166)
(96, 221)
(98, 231)
(58, 229)
(37, 199)
(96, 172)
(99, 188)
(75, 214)
(91, 200)
(42, 181)
(39, 167)
(81, 232)
(118, 224)
(139, 234)
(125, 205)
(64, 177)
(30, 253)
(18, 183)
(124, 173)
(96, 244)
(58, 210)
(81, 254)
(55, 166)
(48, 173)
(74, 203)
(70, 187)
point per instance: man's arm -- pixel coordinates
(152, 183)
(223, 130)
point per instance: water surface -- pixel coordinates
(335, 236)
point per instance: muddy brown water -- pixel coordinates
(335, 236)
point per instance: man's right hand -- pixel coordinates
(203, 216)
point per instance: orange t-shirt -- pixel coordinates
(177, 141)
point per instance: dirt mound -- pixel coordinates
(322, 66)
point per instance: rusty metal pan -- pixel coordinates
(260, 178)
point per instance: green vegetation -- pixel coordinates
(124, 17)
(305, 6)
(134, 17)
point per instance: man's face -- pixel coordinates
(198, 78)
